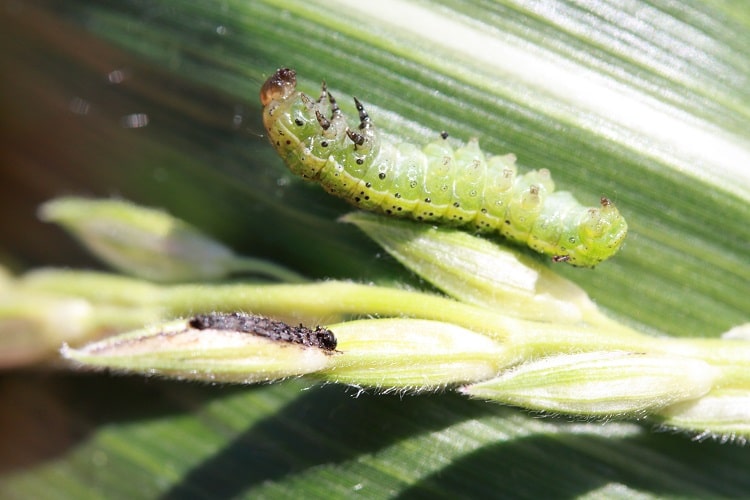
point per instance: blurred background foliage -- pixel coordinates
(76, 74)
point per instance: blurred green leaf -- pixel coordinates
(648, 103)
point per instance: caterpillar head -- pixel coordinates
(279, 86)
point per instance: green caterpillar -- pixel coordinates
(436, 183)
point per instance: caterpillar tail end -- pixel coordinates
(602, 233)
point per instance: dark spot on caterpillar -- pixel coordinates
(279, 331)
(298, 122)
(364, 119)
(464, 182)
(324, 123)
(357, 139)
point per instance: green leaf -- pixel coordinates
(478, 271)
(647, 103)
(150, 243)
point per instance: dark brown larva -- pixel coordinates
(265, 327)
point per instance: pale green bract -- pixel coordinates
(435, 183)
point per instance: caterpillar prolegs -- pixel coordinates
(436, 183)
